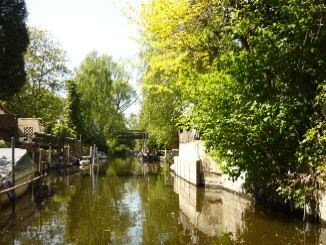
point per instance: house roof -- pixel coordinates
(4, 110)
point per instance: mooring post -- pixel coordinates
(39, 160)
(68, 154)
(50, 155)
(93, 155)
(97, 156)
(13, 160)
(13, 168)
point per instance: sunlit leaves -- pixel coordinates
(247, 74)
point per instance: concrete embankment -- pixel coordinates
(196, 167)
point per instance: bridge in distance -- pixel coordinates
(131, 134)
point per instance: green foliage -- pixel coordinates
(99, 94)
(46, 69)
(159, 115)
(62, 131)
(13, 44)
(152, 144)
(4, 144)
(116, 147)
(249, 75)
(112, 145)
(223, 239)
(73, 107)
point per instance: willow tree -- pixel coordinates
(250, 75)
(104, 93)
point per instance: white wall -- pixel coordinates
(196, 167)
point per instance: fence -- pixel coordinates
(44, 141)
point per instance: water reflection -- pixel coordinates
(212, 211)
(232, 219)
(125, 201)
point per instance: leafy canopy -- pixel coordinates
(101, 93)
(41, 96)
(250, 76)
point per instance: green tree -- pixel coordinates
(13, 43)
(46, 69)
(251, 79)
(73, 107)
(104, 92)
(158, 116)
(62, 131)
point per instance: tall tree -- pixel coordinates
(251, 77)
(159, 114)
(46, 70)
(13, 43)
(73, 109)
(104, 93)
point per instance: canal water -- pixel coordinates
(127, 202)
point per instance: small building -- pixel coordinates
(8, 124)
(27, 127)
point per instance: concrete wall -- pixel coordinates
(187, 164)
(196, 167)
(322, 208)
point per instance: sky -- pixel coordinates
(82, 26)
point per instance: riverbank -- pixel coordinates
(195, 166)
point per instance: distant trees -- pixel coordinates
(97, 94)
(102, 93)
(158, 115)
(13, 43)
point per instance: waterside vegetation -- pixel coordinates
(250, 76)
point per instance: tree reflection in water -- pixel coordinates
(129, 202)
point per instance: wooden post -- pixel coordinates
(93, 154)
(13, 160)
(68, 154)
(50, 155)
(39, 160)
(13, 168)
(97, 156)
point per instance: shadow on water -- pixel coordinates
(127, 201)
